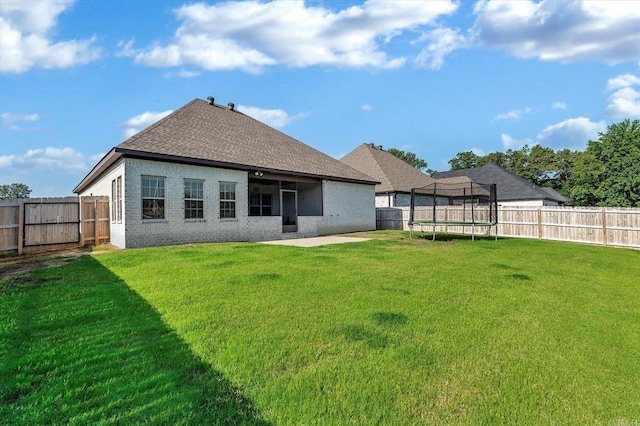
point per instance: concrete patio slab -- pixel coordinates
(316, 241)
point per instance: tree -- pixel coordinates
(14, 190)
(464, 160)
(608, 172)
(499, 158)
(565, 159)
(409, 158)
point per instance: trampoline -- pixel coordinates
(454, 202)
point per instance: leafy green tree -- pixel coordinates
(409, 158)
(14, 190)
(499, 158)
(608, 172)
(464, 160)
(541, 165)
(565, 159)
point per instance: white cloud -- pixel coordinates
(565, 31)
(624, 102)
(60, 160)
(559, 105)
(573, 133)
(183, 74)
(442, 42)
(366, 107)
(622, 81)
(272, 117)
(509, 142)
(25, 28)
(10, 121)
(252, 35)
(478, 151)
(513, 115)
(142, 121)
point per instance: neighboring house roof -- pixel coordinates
(454, 180)
(554, 194)
(510, 187)
(204, 133)
(393, 174)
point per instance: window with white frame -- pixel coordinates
(116, 199)
(193, 199)
(114, 202)
(153, 197)
(227, 200)
(119, 199)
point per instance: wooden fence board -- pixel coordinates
(9, 226)
(32, 225)
(592, 225)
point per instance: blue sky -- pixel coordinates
(432, 77)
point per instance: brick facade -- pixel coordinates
(347, 207)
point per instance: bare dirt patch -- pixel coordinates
(14, 266)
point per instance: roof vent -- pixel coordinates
(231, 106)
(210, 100)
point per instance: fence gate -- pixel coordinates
(51, 223)
(30, 225)
(95, 220)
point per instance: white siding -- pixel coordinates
(527, 203)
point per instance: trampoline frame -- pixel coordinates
(449, 190)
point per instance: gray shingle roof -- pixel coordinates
(393, 174)
(202, 133)
(510, 187)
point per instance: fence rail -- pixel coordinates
(31, 225)
(593, 225)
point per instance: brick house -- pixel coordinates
(210, 173)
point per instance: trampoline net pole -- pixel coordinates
(433, 219)
(473, 218)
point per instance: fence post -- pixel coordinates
(21, 226)
(539, 223)
(604, 226)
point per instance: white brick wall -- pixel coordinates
(347, 207)
(174, 228)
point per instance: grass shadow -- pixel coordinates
(389, 318)
(444, 237)
(81, 347)
(359, 333)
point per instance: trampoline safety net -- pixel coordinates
(475, 204)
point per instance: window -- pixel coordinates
(193, 199)
(119, 198)
(152, 197)
(113, 201)
(116, 199)
(260, 204)
(227, 200)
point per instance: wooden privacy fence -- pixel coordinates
(30, 225)
(609, 226)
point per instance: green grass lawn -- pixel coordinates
(391, 331)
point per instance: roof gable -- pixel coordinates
(509, 185)
(393, 174)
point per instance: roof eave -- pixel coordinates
(105, 162)
(144, 155)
